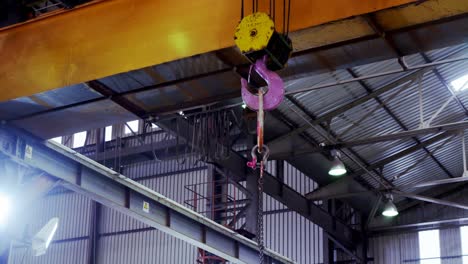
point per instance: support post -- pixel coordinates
(4, 255)
(328, 250)
(251, 214)
(94, 233)
(362, 247)
(328, 245)
(217, 192)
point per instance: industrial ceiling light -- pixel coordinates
(41, 241)
(460, 84)
(5, 207)
(337, 168)
(390, 210)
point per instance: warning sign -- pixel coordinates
(28, 152)
(146, 207)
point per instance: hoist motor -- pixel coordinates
(256, 37)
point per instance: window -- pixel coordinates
(134, 125)
(154, 126)
(464, 243)
(429, 247)
(108, 133)
(57, 139)
(79, 139)
(460, 84)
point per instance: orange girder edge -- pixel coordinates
(113, 36)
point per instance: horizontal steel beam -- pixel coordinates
(390, 137)
(112, 189)
(414, 227)
(328, 116)
(343, 193)
(403, 135)
(340, 189)
(430, 200)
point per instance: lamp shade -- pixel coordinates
(390, 209)
(337, 168)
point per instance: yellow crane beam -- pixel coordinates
(113, 36)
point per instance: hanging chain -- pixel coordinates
(263, 151)
(260, 123)
(261, 246)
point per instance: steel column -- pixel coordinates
(251, 213)
(4, 255)
(94, 235)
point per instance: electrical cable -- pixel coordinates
(242, 9)
(284, 16)
(270, 9)
(274, 11)
(289, 15)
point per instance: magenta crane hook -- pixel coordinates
(273, 97)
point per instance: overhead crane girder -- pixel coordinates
(108, 37)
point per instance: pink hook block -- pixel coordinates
(273, 97)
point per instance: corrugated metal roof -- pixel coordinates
(404, 107)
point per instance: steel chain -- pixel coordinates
(261, 246)
(261, 151)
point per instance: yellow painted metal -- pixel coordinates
(254, 32)
(115, 36)
(427, 11)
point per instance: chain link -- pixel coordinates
(261, 246)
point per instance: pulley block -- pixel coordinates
(256, 37)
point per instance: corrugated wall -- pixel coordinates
(394, 249)
(404, 248)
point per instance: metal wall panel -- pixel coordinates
(294, 236)
(450, 246)
(404, 248)
(394, 249)
(72, 252)
(73, 211)
(145, 247)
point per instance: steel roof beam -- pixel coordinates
(390, 137)
(112, 189)
(328, 116)
(445, 84)
(340, 186)
(394, 47)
